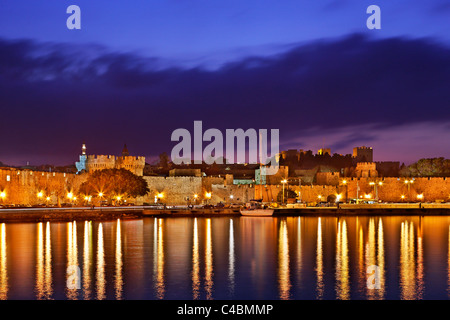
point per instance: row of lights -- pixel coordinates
(208, 195)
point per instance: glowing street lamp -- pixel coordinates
(100, 195)
(283, 182)
(338, 197)
(40, 195)
(208, 196)
(195, 198)
(2, 195)
(420, 196)
(408, 183)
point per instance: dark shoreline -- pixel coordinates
(108, 214)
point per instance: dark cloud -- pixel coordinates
(52, 97)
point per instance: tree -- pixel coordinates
(113, 183)
(430, 167)
(288, 194)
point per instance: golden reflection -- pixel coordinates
(448, 258)
(101, 282)
(319, 262)
(342, 270)
(195, 264)
(299, 250)
(160, 289)
(87, 260)
(361, 266)
(3, 264)
(420, 276)
(231, 259)
(380, 259)
(119, 263)
(209, 262)
(374, 256)
(40, 263)
(72, 258)
(407, 263)
(283, 262)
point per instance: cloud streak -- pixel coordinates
(54, 96)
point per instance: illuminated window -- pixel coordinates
(8, 178)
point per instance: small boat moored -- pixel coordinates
(255, 208)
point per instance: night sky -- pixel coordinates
(138, 70)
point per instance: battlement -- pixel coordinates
(101, 157)
(366, 164)
(131, 159)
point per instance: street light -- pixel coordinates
(2, 195)
(208, 196)
(283, 182)
(408, 183)
(100, 195)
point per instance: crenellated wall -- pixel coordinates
(100, 162)
(26, 187)
(22, 187)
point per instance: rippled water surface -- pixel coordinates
(228, 258)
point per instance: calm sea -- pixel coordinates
(228, 258)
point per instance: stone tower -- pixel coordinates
(81, 165)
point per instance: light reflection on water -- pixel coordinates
(228, 258)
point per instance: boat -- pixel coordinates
(255, 208)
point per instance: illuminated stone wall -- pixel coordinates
(100, 162)
(22, 187)
(26, 187)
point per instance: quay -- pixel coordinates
(138, 212)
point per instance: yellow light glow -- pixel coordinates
(338, 197)
(40, 194)
(160, 195)
(284, 181)
(100, 194)
(319, 196)
(2, 195)
(208, 195)
(420, 196)
(70, 195)
(48, 198)
(119, 197)
(403, 196)
(368, 196)
(380, 183)
(344, 181)
(371, 183)
(195, 196)
(86, 198)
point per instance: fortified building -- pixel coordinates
(90, 163)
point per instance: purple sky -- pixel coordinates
(134, 73)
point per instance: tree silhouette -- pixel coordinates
(113, 183)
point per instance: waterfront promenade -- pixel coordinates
(137, 212)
